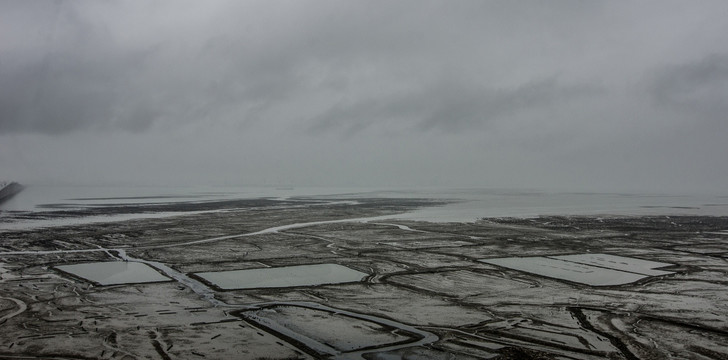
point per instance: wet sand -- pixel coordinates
(427, 292)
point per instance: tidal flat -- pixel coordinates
(422, 290)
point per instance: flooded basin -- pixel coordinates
(289, 276)
(330, 332)
(638, 266)
(589, 269)
(114, 272)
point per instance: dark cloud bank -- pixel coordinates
(596, 95)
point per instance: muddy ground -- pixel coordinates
(426, 295)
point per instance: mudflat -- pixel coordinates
(421, 289)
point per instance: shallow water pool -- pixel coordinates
(589, 269)
(289, 276)
(114, 272)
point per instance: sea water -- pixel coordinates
(465, 205)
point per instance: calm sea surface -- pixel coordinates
(468, 205)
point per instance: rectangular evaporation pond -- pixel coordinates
(302, 275)
(114, 272)
(324, 331)
(569, 271)
(638, 266)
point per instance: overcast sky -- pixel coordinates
(580, 95)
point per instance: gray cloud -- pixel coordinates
(469, 93)
(698, 89)
(451, 107)
(70, 79)
(81, 73)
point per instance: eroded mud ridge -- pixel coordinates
(428, 290)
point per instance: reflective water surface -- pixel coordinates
(589, 269)
(303, 275)
(114, 272)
